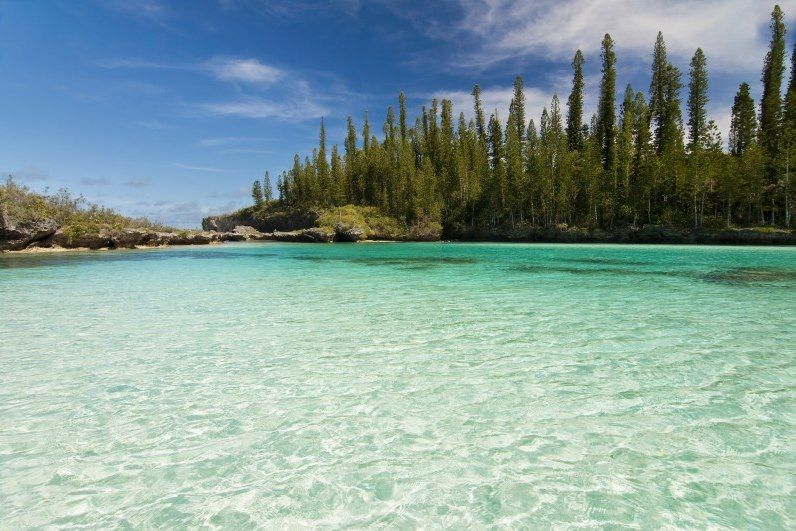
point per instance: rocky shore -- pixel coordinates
(47, 234)
(303, 227)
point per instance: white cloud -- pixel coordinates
(731, 32)
(291, 95)
(301, 109)
(244, 70)
(152, 10)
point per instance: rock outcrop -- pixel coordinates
(313, 235)
(17, 236)
(344, 233)
(46, 233)
(262, 222)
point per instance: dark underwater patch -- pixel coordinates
(752, 275)
(414, 260)
(616, 271)
(74, 258)
(606, 261)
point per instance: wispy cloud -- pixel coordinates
(153, 124)
(302, 109)
(192, 167)
(182, 214)
(293, 8)
(243, 70)
(136, 182)
(26, 174)
(269, 92)
(152, 10)
(732, 32)
(102, 181)
(231, 69)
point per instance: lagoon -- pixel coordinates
(398, 385)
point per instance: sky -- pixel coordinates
(171, 108)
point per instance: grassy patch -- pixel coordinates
(374, 222)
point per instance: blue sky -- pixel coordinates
(170, 109)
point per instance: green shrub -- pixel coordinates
(73, 213)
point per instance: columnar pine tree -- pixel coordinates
(575, 105)
(787, 150)
(606, 114)
(268, 192)
(402, 114)
(697, 99)
(657, 104)
(479, 113)
(771, 102)
(257, 193)
(743, 122)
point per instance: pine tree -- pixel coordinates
(743, 123)
(515, 170)
(498, 183)
(606, 114)
(575, 105)
(337, 175)
(773, 70)
(402, 114)
(352, 179)
(479, 113)
(697, 99)
(672, 116)
(322, 164)
(625, 146)
(366, 134)
(518, 100)
(267, 190)
(657, 103)
(788, 146)
(257, 194)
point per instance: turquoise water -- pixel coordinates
(399, 385)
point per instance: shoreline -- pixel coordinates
(787, 242)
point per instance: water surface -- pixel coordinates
(398, 385)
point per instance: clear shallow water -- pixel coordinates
(397, 385)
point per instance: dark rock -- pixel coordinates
(131, 238)
(343, 233)
(234, 236)
(313, 235)
(263, 221)
(17, 236)
(188, 238)
(72, 238)
(247, 232)
(211, 223)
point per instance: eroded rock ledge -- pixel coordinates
(47, 234)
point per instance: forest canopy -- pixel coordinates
(641, 161)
